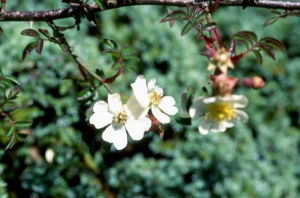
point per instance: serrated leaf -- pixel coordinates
(44, 32)
(177, 14)
(246, 35)
(134, 58)
(184, 120)
(39, 46)
(12, 129)
(12, 79)
(187, 27)
(258, 56)
(22, 124)
(84, 94)
(267, 50)
(274, 43)
(30, 32)
(110, 44)
(6, 82)
(128, 50)
(28, 49)
(270, 21)
(243, 42)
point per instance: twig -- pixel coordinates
(71, 11)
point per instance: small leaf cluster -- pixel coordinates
(9, 90)
(194, 16)
(280, 15)
(250, 41)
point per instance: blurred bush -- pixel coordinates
(259, 159)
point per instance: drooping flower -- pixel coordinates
(119, 119)
(221, 60)
(150, 96)
(219, 112)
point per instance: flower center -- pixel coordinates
(220, 111)
(120, 118)
(154, 97)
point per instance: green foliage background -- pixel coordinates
(259, 159)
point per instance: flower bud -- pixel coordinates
(255, 82)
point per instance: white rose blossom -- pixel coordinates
(119, 119)
(219, 112)
(150, 96)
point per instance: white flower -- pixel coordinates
(150, 96)
(219, 112)
(119, 119)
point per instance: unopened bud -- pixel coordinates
(255, 82)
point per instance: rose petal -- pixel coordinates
(167, 105)
(102, 116)
(217, 126)
(115, 134)
(140, 91)
(242, 115)
(198, 107)
(229, 123)
(240, 101)
(151, 86)
(100, 106)
(160, 116)
(114, 103)
(134, 109)
(204, 127)
(213, 99)
(137, 128)
(100, 120)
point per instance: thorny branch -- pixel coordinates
(70, 11)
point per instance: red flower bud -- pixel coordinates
(255, 82)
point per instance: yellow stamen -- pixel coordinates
(220, 111)
(154, 97)
(120, 118)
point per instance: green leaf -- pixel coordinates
(28, 49)
(44, 32)
(6, 82)
(128, 50)
(274, 43)
(84, 94)
(271, 21)
(99, 3)
(258, 56)
(107, 43)
(12, 129)
(267, 50)
(22, 124)
(177, 14)
(187, 27)
(246, 35)
(39, 46)
(30, 32)
(134, 58)
(12, 79)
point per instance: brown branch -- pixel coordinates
(70, 11)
